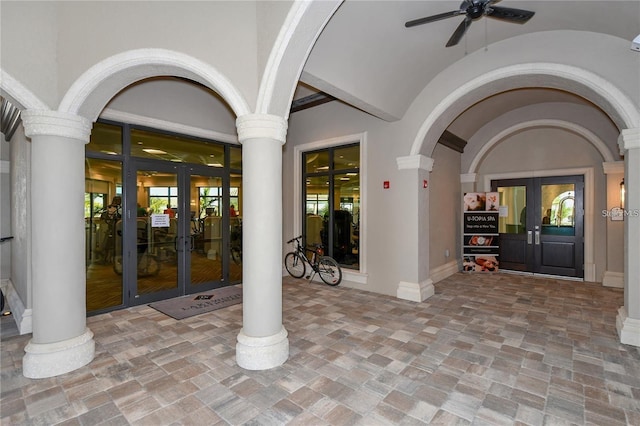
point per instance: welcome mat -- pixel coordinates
(196, 304)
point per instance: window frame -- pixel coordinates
(358, 276)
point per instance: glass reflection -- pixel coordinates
(103, 219)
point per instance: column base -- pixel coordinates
(416, 292)
(262, 353)
(44, 360)
(628, 328)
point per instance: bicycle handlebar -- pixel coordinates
(293, 239)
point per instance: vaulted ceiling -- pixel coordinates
(368, 58)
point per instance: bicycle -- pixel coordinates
(325, 266)
(147, 263)
(236, 242)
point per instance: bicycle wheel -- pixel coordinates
(117, 265)
(295, 265)
(236, 255)
(148, 265)
(329, 271)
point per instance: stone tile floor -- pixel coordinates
(484, 350)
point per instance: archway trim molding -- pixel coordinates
(593, 83)
(575, 128)
(303, 24)
(16, 92)
(88, 95)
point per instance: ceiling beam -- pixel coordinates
(310, 101)
(452, 141)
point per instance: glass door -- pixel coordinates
(559, 245)
(516, 202)
(205, 263)
(154, 234)
(175, 235)
(541, 230)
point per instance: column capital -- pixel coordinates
(55, 123)
(252, 126)
(629, 139)
(417, 161)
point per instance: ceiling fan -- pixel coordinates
(473, 10)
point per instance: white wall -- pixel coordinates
(28, 37)
(176, 101)
(5, 208)
(385, 208)
(21, 216)
(445, 216)
(64, 39)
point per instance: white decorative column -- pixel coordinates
(262, 342)
(61, 341)
(628, 319)
(418, 286)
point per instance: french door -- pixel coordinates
(542, 225)
(174, 231)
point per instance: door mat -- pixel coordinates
(196, 304)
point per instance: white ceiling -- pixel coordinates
(366, 56)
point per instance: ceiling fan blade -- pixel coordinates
(510, 14)
(434, 18)
(459, 32)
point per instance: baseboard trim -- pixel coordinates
(441, 272)
(628, 328)
(415, 292)
(21, 315)
(613, 279)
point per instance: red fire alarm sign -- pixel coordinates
(425, 183)
(385, 184)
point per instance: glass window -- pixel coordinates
(316, 162)
(235, 154)
(162, 198)
(347, 158)
(210, 201)
(514, 198)
(105, 139)
(332, 202)
(178, 149)
(102, 209)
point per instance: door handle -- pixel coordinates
(193, 242)
(175, 243)
(529, 237)
(537, 238)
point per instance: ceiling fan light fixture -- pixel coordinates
(473, 10)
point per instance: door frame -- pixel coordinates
(183, 173)
(589, 205)
(189, 170)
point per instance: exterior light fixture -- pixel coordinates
(622, 194)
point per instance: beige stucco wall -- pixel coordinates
(49, 45)
(445, 217)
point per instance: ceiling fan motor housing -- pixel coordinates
(475, 9)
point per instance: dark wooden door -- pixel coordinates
(542, 226)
